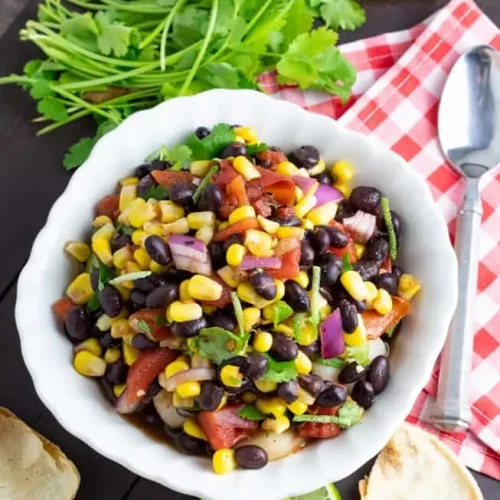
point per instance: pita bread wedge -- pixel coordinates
(414, 466)
(31, 467)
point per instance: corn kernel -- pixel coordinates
(104, 232)
(101, 220)
(302, 363)
(130, 267)
(371, 293)
(197, 220)
(127, 195)
(258, 243)
(139, 236)
(179, 402)
(153, 227)
(382, 302)
(247, 133)
(203, 288)
(235, 254)
(342, 171)
(302, 279)
(223, 225)
(239, 139)
(305, 205)
(285, 330)
(251, 316)
(88, 364)
(307, 225)
(308, 334)
(200, 168)
(273, 406)
(102, 249)
(265, 385)
(224, 461)
(290, 232)
(208, 309)
(180, 226)
(343, 188)
(183, 292)
(353, 283)
(188, 390)
(122, 256)
(246, 168)
(205, 234)
(241, 213)
(118, 389)
(322, 215)
(79, 250)
(408, 286)
(229, 276)
(303, 172)
(128, 181)
(112, 355)
(130, 354)
(319, 168)
(177, 366)
(191, 428)
(140, 215)
(269, 226)
(276, 425)
(170, 211)
(123, 218)
(299, 194)
(249, 397)
(142, 258)
(287, 168)
(230, 376)
(91, 345)
(305, 398)
(358, 336)
(80, 290)
(182, 311)
(104, 323)
(120, 328)
(360, 250)
(298, 408)
(156, 268)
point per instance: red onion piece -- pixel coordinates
(332, 336)
(190, 254)
(286, 245)
(326, 193)
(304, 183)
(192, 375)
(361, 226)
(251, 262)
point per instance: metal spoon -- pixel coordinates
(469, 131)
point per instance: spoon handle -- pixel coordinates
(452, 411)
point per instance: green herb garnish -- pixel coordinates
(178, 156)
(218, 344)
(349, 414)
(393, 244)
(161, 320)
(129, 277)
(250, 412)
(211, 146)
(253, 149)
(204, 183)
(106, 274)
(156, 192)
(346, 264)
(298, 321)
(126, 230)
(143, 327)
(315, 295)
(238, 312)
(93, 304)
(282, 311)
(333, 362)
(279, 371)
(361, 353)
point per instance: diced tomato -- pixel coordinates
(141, 375)
(224, 428)
(225, 298)
(350, 249)
(151, 317)
(280, 186)
(238, 228)
(108, 206)
(317, 430)
(376, 324)
(236, 189)
(62, 307)
(289, 265)
(285, 212)
(226, 209)
(262, 207)
(387, 264)
(254, 190)
(272, 157)
(225, 175)
(286, 245)
(170, 177)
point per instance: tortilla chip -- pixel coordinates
(415, 465)
(31, 467)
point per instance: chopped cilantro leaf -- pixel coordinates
(156, 192)
(281, 311)
(126, 230)
(143, 327)
(342, 14)
(52, 109)
(250, 412)
(333, 362)
(238, 312)
(78, 153)
(218, 344)
(106, 274)
(93, 304)
(279, 371)
(211, 146)
(161, 320)
(204, 183)
(349, 414)
(253, 149)
(346, 264)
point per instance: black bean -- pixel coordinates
(175, 275)
(94, 279)
(119, 241)
(292, 221)
(326, 258)
(338, 238)
(163, 295)
(157, 249)
(325, 178)
(142, 170)
(234, 149)
(367, 269)
(366, 198)
(145, 184)
(202, 132)
(116, 373)
(213, 197)
(106, 341)
(363, 393)
(151, 418)
(153, 389)
(257, 365)
(389, 282)
(398, 272)
(188, 329)
(138, 298)
(235, 238)
(312, 350)
(210, 396)
(159, 165)
(111, 301)
(263, 284)
(190, 445)
(284, 348)
(306, 156)
(217, 255)
(378, 374)
(251, 457)
(344, 210)
(312, 383)
(349, 316)
(377, 248)
(148, 284)
(330, 273)
(108, 390)
(306, 255)
(289, 391)
(223, 319)
(172, 434)
(296, 296)
(140, 341)
(332, 396)
(78, 325)
(320, 240)
(351, 372)
(182, 193)
(326, 293)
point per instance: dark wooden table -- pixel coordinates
(31, 179)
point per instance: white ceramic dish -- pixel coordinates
(76, 401)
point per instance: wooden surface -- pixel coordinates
(31, 178)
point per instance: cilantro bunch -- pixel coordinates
(110, 58)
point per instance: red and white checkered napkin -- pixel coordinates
(396, 97)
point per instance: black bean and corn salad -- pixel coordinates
(239, 298)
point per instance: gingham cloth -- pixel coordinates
(396, 97)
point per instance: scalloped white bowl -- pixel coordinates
(76, 401)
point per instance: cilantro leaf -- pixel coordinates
(32, 67)
(178, 155)
(165, 3)
(161, 320)
(333, 362)
(298, 321)
(299, 20)
(279, 371)
(361, 353)
(346, 264)
(81, 29)
(40, 89)
(281, 311)
(105, 274)
(253, 149)
(218, 344)
(156, 192)
(126, 230)
(113, 37)
(220, 75)
(143, 327)
(78, 153)
(238, 312)
(393, 243)
(129, 277)
(250, 412)
(204, 183)
(52, 109)
(349, 414)
(209, 147)
(93, 304)
(342, 14)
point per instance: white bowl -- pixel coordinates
(76, 401)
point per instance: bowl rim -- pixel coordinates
(218, 487)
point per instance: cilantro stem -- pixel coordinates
(72, 118)
(257, 16)
(151, 37)
(203, 49)
(393, 245)
(138, 9)
(86, 5)
(168, 22)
